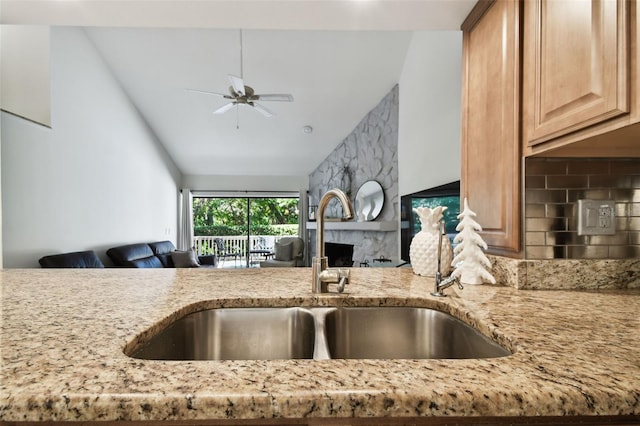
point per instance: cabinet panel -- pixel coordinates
(615, 137)
(490, 177)
(575, 65)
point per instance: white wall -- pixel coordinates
(97, 178)
(1, 201)
(246, 183)
(24, 78)
(430, 102)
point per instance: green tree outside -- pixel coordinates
(228, 216)
(450, 215)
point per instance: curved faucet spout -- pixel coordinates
(320, 261)
(347, 214)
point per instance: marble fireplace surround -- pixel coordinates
(369, 152)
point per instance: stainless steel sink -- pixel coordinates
(233, 334)
(318, 333)
(409, 333)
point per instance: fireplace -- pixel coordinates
(339, 254)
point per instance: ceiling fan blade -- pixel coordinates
(209, 93)
(281, 97)
(224, 108)
(262, 109)
(237, 84)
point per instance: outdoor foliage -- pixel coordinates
(223, 230)
(450, 214)
(228, 216)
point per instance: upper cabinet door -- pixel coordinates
(490, 175)
(575, 65)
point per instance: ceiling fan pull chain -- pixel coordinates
(241, 61)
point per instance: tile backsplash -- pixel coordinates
(553, 187)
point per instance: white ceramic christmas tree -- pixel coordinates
(423, 251)
(471, 263)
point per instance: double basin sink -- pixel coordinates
(317, 333)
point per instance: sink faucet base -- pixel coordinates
(322, 276)
(440, 282)
(319, 265)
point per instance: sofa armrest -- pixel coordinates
(208, 259)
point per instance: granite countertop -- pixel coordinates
(63, 334)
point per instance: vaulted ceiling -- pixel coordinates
(335, 79)
(338, 58)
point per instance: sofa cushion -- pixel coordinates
(283, 251)
(151, 255)
(208, 260)
(163, 250)
(272, 263)
(295, 258)
(166, 260)
(147, 262)
(298, 246)
(162, 247)
(184, 259)
(137, 255)
(77, 259)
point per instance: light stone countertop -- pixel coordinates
(63, 334)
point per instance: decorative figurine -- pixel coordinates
(472, 266)
(423, 251)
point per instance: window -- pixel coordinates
(248, 226)
(445, 195)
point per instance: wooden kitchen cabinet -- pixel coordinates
(491, 155)
(580, 77)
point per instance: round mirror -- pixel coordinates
(369, 201)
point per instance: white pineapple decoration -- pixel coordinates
(423, 251)
(472, 264)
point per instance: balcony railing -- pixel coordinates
(234, 244)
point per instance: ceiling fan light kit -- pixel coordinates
(240, 94)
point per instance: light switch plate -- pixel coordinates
(596, 217)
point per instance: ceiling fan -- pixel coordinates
(239, 94)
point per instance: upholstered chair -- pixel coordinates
(288, 253)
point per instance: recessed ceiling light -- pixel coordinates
(307, 129)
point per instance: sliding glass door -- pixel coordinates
(242, 231)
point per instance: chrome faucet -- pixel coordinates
(443, 283)
(322, 276)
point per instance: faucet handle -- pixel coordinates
(343, 275)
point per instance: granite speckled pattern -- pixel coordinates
(574, 274)
(63, 334)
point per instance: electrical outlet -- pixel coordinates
(596, 217)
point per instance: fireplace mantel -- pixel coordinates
(374, 226)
